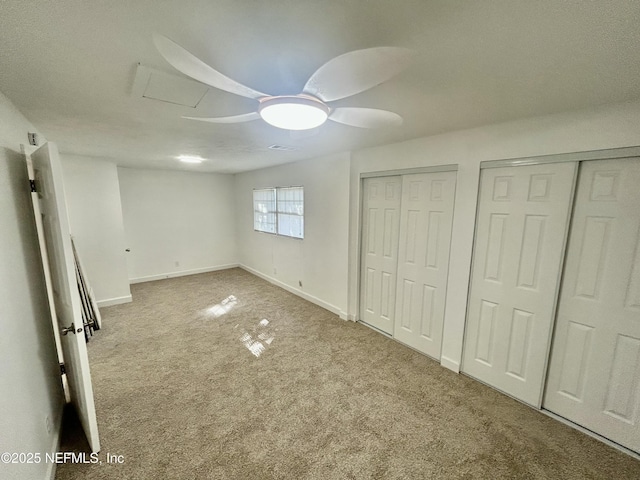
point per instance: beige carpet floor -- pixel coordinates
(224, 376)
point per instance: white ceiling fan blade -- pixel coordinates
(192, 66)
(365, 117)
(245, 117)
(357, 71)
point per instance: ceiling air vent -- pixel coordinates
(282, 148)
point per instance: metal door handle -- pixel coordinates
(69, 329)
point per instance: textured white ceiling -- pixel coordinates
(69, 66)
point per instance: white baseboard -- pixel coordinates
(450, 364)
(114, 301)
(343, 315)
(296, 291)
(182, 273)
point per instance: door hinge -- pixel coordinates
(32, 184)
(63, 370)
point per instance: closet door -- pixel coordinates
(594, 374)
(379, 257)
(518, 251)
(423, 259)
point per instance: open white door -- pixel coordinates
(49, 186)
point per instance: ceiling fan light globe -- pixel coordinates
(294, 113)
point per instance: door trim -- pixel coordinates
(409, 171)
(606, 154)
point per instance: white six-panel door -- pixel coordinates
(423, 259)
(379, 259)
(594, 374)
(50, 189)
(520, 235)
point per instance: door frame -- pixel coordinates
(385, 173)
(575, 157)
(606, 154)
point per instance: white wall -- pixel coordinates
(95, 218)
(30, 385)
(595, 129)
(319, 261)
(177, 222)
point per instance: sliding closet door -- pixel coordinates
(594, 374)
(423, 259)
(379, 260)
(520, 234)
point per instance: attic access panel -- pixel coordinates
(156, 85)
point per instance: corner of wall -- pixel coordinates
(108, 302)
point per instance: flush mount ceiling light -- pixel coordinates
(293, 112)
(190, 159)
(341, 77)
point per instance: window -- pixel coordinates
(264, 210)
(290, 211)
(279, 210)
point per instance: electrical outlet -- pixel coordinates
(275, 272)
(47, 423)
(177, 263)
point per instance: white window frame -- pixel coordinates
(263, 209)
(292, 207)
(279, 207)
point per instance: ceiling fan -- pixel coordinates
(341, 77)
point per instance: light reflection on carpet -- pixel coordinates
(223, 307)
(259, 339)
